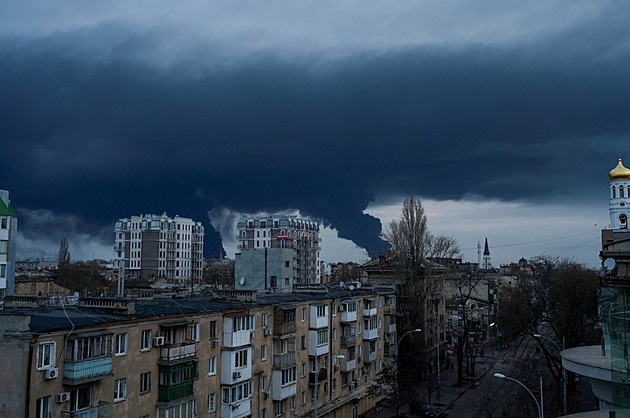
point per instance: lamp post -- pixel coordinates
(541, 413)
(316, 392)
(564, 371)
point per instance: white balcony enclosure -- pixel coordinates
(319, 316)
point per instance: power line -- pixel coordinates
(534, 242)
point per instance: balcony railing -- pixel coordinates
(284, 328)
(101, 411)
(169, 393)
(323, 376)
(282, 361)
(77, 372)
(370, 357)
(348, 340)
(178, 352)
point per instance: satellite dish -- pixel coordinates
(609, 264)
(358, 285)
(351, 287)
(241, 281)
(342, 284)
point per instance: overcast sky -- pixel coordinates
(504, 117)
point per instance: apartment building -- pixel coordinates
(232, 356)
(157, 246)
(276, 253)
(8, 232)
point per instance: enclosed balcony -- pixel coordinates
(88, 358)
(321, 376)
(284, 320)
(103, 410)
(176, 381)
(369, 307)
(178, 352)
(347, 365)
(348, 309)
(348, 340)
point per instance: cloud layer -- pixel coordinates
(111, 111)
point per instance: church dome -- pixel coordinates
(619, 173)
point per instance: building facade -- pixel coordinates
(157, 246)
(607, 365)
(8, 232)
(276, 253)
(281, 356)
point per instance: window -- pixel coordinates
(293, 403)
(303, 339)
(263, 383)
(212, 366)
(186, 409)
(334, 334)
(213, 330)
(194, 332)
(263, 352)
(44, 407)
(45, 355)
(120, 389)
(236, 393)
(263, 413)
(265, 320)
(303, 314)
(278, 408)
(334, 385)
(322, 337)
(614, 194)
(243, 323)
(121, 344)
(321, 311)
(212, 402)
(145, 382)
(288, 376)
(4, 246)
(304, 370)
(147, 334)
(303, 396)
(4, 221)
(240, 358)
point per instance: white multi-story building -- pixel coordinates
(156, 246)
(276, 252)
(8, 231)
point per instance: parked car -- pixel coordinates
(421, 409)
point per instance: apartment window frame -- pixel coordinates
(212, 402)
(122, 341)
(46, 355)
(212, 366)
(146, 342)
(120, 389)
(145, 383)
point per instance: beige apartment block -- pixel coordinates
(232, 355)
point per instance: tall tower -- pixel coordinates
(486, 257)
(619, 205)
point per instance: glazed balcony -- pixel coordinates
(284, 328)
(347, 365)
(322, 376)
(83, 371)
(170, 393)
(348, 340)
(236, 409)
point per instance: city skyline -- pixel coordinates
(504, 118)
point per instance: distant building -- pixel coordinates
(276, 253)
(485, 263)
(8, 232)
(157, 246)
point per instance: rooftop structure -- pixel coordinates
(8, 232)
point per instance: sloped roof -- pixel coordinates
(7, 210)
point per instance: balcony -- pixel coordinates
(348, 316)
(236, 409)
(284, 328)
(347, 365)
(83, 371)
(101, 411)
(348, 340)
(175, 352)
(370, 334)
(283, 361)
(169, 393)
(323, 376)
(369, 357)
(370, 311)
(280, 391)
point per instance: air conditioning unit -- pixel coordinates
(63, 397)
(158, 341)
(268, 331)
(52, 373)
(216, 343)
(236, 375)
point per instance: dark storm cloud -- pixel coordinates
(108, 135)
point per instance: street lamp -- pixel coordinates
(317, 370)
(564, 372)
(538, 405)
(405, 334)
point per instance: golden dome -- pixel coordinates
(619, 173)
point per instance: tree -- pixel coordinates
(64, 252)
(413, 257)
(564, 295)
